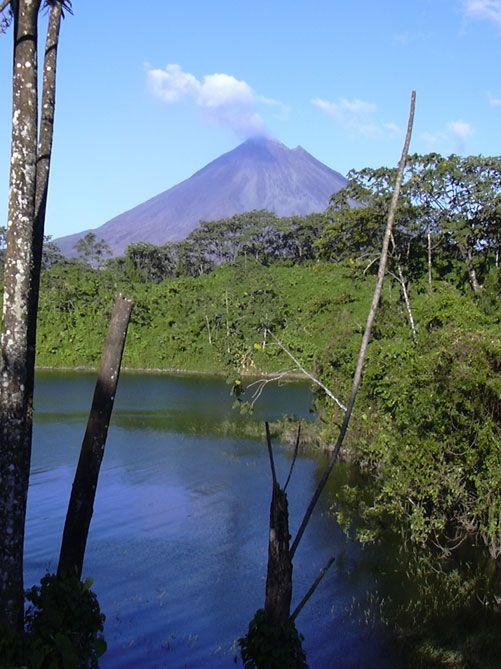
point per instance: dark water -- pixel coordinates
(178, 542)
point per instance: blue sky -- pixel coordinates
(147, 96)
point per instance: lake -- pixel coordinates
(178, 542)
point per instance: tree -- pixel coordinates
(29, 172)
(459, 202)
(51, 253)
(148, 263)
(92, 250)
(449, 216)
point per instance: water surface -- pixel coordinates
(178, 542)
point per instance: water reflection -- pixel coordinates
(177, 546)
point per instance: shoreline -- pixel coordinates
(175, 371)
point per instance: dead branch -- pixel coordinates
(296, 449)
(270, 453)
(401, 280)
(312, 589)
(307, 373)
(367, 333)
(262, 383)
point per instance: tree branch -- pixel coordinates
(262, 383)
(367, 333)
(296, 449)
(312, 589)
(306, 372)
(270, 453)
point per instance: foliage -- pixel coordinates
(267, 647)
(147, 263)
(51, 253)
(449, 216)
(92, 251)
(63, 628)
(430, 441)
(442, 611)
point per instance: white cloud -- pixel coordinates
(358, 116)
(460, 129)
(495, 102)
(431, 140)
(171, 84)
(221, 90)
(489, 10)
(222, 97)
(454, 137)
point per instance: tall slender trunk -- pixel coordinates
(16, 398)
(407, 301)
(471, 272)
(209, 333)
(357, 377)
(81, 505)
(428, 235)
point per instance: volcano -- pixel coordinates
(258, 174)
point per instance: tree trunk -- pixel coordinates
(81, 505)
(429, 261)
(407, 301)
(16, 398)
(471, 272)
(279, 577)
(357, 377)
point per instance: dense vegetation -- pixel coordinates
(236, 293)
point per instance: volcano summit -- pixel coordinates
(258, 174)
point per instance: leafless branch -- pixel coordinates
(306, 372)
(367, 333)
(296, 449)
(262, 383)
(270, 453)
(312, 589)
(400, 279)
(370, 264)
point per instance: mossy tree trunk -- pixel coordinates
(16, 397)
(29, 174)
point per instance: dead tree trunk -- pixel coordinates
(357, 377)
(472, 275)
(279, 578)
(81, 505)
